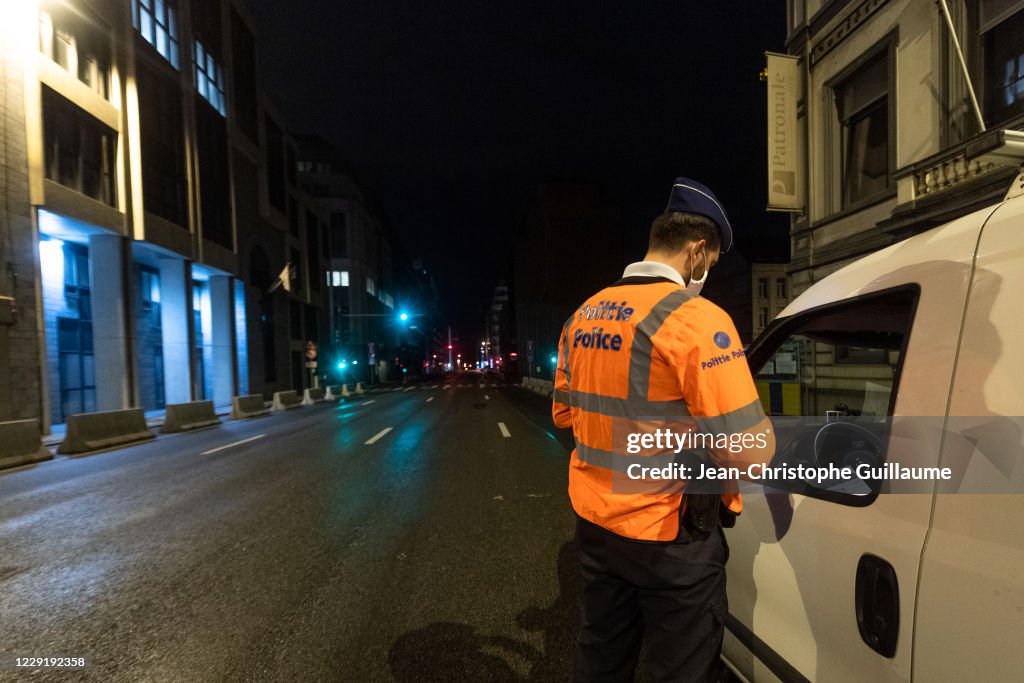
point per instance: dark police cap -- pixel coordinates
(689, 196)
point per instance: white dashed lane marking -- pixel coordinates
(366, 403)
(504, 430)
(379, 435)
(231, 445)
(430, 399)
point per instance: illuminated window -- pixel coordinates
(386, 299)
(157, 22)
(210, 78)
(371, 286)
(77, 47)
(338, 278)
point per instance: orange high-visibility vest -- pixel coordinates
(645, 347)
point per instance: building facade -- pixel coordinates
(565, 223)
(152, 203)
(769, 294)
(887, 129)
(362, 330)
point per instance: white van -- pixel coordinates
(928, 586)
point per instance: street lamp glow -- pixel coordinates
(554, 360)
(403, 317)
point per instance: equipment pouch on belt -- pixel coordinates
(702, 511)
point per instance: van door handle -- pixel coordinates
(878, 604)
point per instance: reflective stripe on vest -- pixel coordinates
(638, 407)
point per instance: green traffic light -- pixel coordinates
(403, 317)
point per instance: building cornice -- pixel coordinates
(842, 30)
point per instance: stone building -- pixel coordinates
(151, 204)
(890, 141)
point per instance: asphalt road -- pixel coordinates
(305, 546)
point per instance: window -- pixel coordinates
(844, 410)
(79, 149)
(163, 145)
(76, 366)
(80, 48)
(276, 193)
(762, 319)
(214, 188)
(371, 286)
(243, 76)
(1002, 24)
(780, 288)
(386, 299)
(209, 77)
(149, 287)
(157, 22)
(338, 278)
(762, 288)
(863, 106)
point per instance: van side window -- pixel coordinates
(835, 363)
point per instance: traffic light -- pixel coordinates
(449, 347)
(403, 316)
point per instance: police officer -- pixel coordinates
(653, 560)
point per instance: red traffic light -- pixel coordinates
(449, 347)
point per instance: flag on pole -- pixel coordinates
(284, 278)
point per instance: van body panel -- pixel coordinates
(791, 573)
(970, 616)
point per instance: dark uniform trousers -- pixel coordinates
(671, 595)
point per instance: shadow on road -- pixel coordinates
(449, 651)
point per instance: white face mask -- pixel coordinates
(695, 286)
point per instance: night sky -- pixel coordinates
(452, 112)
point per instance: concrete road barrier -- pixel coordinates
(333, 392)
(545, 387)
(252, 405)
(21, 443)
(345, 393)
(311, 396)
(286, 400)
(359, 388)
(92, 431)
(181, 417)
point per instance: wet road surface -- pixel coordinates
(407, 535)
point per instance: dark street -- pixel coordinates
(439, 551)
